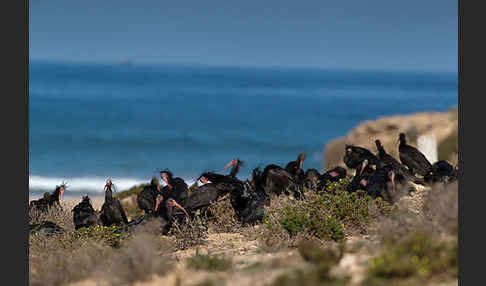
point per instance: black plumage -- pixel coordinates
(165, 213)
(278, 181)
(411, 157)
(398, 168)
(216, 186)
(355, 155)
(318, 182)
(441, 171)
(49, 200)
(373, 181)
(205, 195)
(312, 178)
(176, 188)
(250, 199)
(84, 215)
(376, 184)
(360, 178)
(295, 169)
(288, 180)
(112, 212)
(147, 196)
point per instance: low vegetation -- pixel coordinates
(418, 256)
(209, 262)
(326, 215)
(408, 249)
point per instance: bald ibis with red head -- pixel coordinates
(49, 200)
(165, 212)
(112, 212)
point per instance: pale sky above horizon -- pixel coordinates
(376, 34)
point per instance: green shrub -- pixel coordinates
(337, 187)
(326, 214)
(419, 254)
(295, 221)
(111, 235)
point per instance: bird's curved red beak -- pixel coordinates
(230, 163)
(365, 163)
(173, 203)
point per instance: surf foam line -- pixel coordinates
(85, 184)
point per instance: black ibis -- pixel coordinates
(441, 171)
(84, 215)
(175, 188)
(112, 212)
(49, 200)
(411, 157)
(147, 196)
(398, 168)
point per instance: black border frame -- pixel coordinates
(471, 195)
(15, 117)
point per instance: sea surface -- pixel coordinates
(89, 122)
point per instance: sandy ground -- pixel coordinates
(251, 265)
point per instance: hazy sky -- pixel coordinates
(359, 34)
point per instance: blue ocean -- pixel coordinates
(89, 122)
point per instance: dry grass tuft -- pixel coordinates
(417, 248)
(60, 216)
(142, 257)
(221, 218)
(60, 259)
(441, 207)
(209, 262)
(189, 233)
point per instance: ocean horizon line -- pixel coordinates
(130, 63)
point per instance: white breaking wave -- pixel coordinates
(86, 184)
